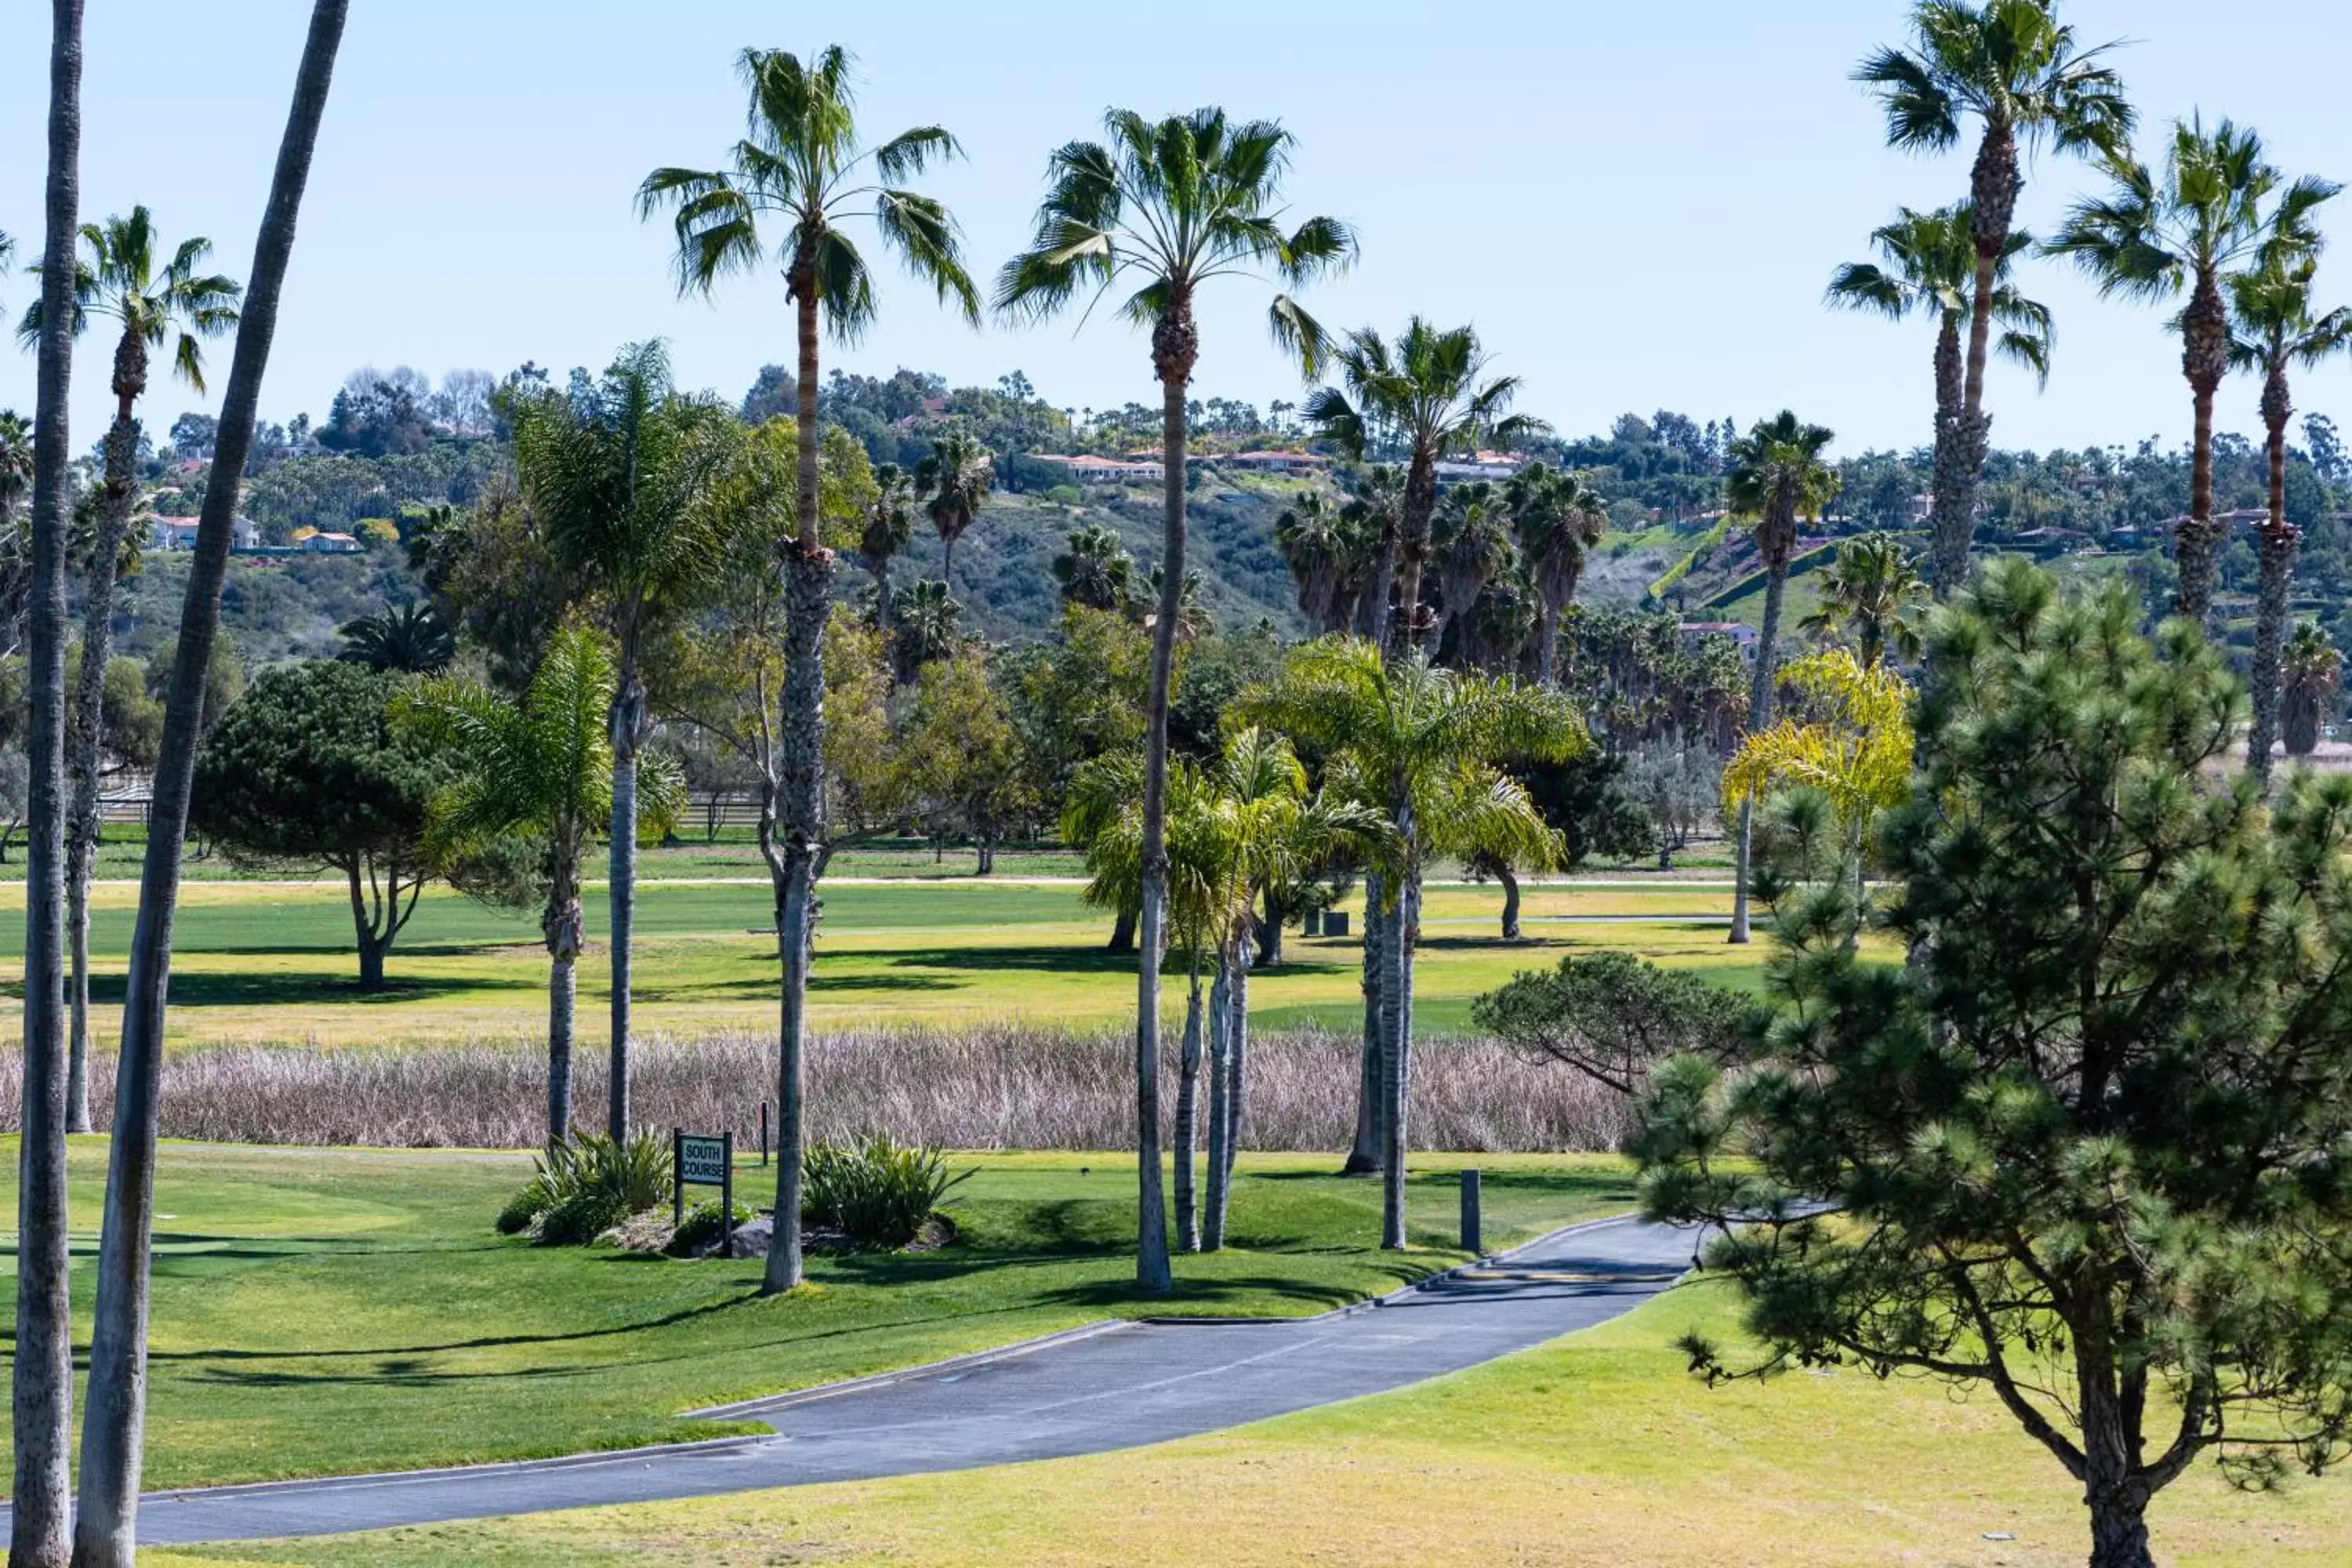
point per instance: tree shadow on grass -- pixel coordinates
(200, 988)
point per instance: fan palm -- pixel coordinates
(1372, 513)
(954, 481)
(410, 639)
(2275, 330)
(2311, 678)
(802, 168)
(1474, 544)
(1428, 396)
(925, 620)
(120, 275)
(1499, 636)
(1775, 476)
(1558, 518)
(1096, 570)
(1872, 590)
(1314, 545)
(1164, 208)
(889, 525)
(16, 464)
(1929, 261)
(623, 478)
(1192, 606)
(2159, 233)
(2022, 75)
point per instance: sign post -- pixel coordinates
(698, 1160)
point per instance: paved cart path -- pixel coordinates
(1107, 1386)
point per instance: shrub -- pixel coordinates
(1613, 1017)
(701, 1226)
(877, 1194)
(587, 1185)
(581, 1217)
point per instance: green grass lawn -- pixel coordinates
(274, 962)
(1596, 1451)
(327, 1310)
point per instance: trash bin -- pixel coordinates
(1335, 924)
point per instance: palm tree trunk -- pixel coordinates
(1993, 184)
(1407, 630)
(114, 1426)
(1270, 933)
(621, 892)
(1364, 1156)
(42, 1376)
(1122, 932)
(1396, 1009)
(1221, 1089)
(2279, 541)
(1952, 515)
(562, 929)
(1187, 1138)
(881, 570)
(1547, 643)
(1759, 712)
(2205, 359)
(1236, 1070)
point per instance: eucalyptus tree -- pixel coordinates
(1094, 569)
(1558, 518)
(1163, 209)
(1429, 395)
(802, 169)
(2161, 232)
(1424, 744)
(1872, 592)
(1775, 476)
(114, 1423)
(2023, 76)
(120, 275)
(1928, 261)
(886, 528)
(954, 480)
(623, 474)
(2274, 329)
(41, 1374)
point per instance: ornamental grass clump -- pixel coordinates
(588, 1184)
(877, 1194)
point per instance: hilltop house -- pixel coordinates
(1274, 462)
(180, 533)
(1144, 467)
(331, 544)
(1490, 465)
(1739, 632)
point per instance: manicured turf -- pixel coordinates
(274, 962)
(325, 1311)
(1595, 1452)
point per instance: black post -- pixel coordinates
(676, 1177)
(763, 1132)
(1470, 1241)
(727, 1195)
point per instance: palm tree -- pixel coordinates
(803, 166)
(1775, 476)
(2312, 678)
(1314, 545)
(1474, 544)
(2014, 67)
(2157, 235)
(1872, 589)
(1371, 515)
(1192, 605)
(40, 1518)
(1558, 518)
(114, 1423)
(2275, 330)
(1500, 636)
(1929, 261)
(954, 480)
(1096, 570)
(1167, 208)
(1422, 742)
(16, 463)
(540, 769)
(889, 524)
(1430, 396)
(926, 622)
(117, 277)
(624, 479)
(408, 639)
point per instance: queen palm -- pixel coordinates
(1928, 261)
(1474, 544)
(1428, 395)
(889, 524)
(2025, 79)
(802, 168)
(1558, 518)
(1163, 209)
(1313, 540)
(1094, 569)
(120, 275)
(2311, 676)
(1775, 476)
(954, 481)
(2179, 229)
(2274, 330)
(624, 479)
(1872, 592)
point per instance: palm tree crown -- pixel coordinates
(1096, 570)
(1930, 260)
(411, 640)
(1776, 476)
(117, 275)
(1872, 591)
(1558, 518)
(2012, 64)
(954, 480)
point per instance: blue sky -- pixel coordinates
(1637, 205)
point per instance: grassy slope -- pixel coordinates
(323, 1310)
(275, 963)
(1596, 1451)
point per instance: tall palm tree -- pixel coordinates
(113, 1431)
(2312, 679)
(42, 1375)
(1474, 544)
(1096, 570)
(1775, 476)
(1428, 396)
(1872, 591)
(889, 525)
(2159, 233)
(803, 167)
(539, 769)
(1314, 545)
(1371, 516)
(925, 619)
(2021, 73)
(954, 481)
(1558, 518)
(1165, 208)
(1929, 261)
(2275, 330)
(405, 639)
(624, 479)
(122, 275)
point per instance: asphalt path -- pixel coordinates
(1107, 1386)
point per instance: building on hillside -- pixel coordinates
(331, 544)
(180, 533)
(1089, 469)
(1493, 466)
(1921, 507)
(1742, 634)
(1275, 462)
